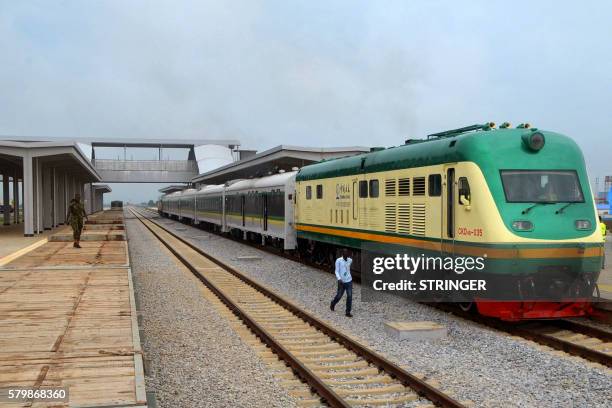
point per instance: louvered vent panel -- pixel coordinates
(390, 218)
(308, 214)
(418, 186)
(390, 187)
(403, 218)
(404, 186)
(418, 219)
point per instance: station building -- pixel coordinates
(41, 177)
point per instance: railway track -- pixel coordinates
(570, 336)
(340, 370)
(603, 312)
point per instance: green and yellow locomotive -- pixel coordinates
(519, 197)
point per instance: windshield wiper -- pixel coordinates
(526, 210)
(560, 210)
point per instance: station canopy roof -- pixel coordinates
(104, 188)
(61, 154)
(270, 161)
(171, 189)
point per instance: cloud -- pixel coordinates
(304, 72)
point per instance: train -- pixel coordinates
(518, 196)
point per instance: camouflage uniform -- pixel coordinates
(76, 212)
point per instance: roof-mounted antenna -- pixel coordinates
(454, 132)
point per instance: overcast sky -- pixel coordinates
(315, 73)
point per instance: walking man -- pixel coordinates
(345, 282)
(76, 212)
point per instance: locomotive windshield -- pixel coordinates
(541, 186)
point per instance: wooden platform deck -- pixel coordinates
(67, 318)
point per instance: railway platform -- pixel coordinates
(605, 278)
(68, 319)
(14, 244)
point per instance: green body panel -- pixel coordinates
(491, 151)
(510, 245)
(497, 266)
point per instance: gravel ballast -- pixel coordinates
(196, 359)
(473, 363)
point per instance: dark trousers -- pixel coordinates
(348, 287)
(77, 227)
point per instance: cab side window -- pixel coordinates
(435, 185)
(319, 191)
(373, 188)
(464, 190)
(308, 192)
(363, 189)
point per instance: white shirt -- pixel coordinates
(343, 269)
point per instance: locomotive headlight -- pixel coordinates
(534, 140)
(583, 224)
(522, 225)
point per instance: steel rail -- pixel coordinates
(569, 347)
(324, 391)
(582, 328)
(521, 330)
(602, 312)
(270, 250)
(419, 386)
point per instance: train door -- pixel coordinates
(242, 209)
(265, 211)
(360, 193)
(447, 233)
(363, 192)
(464, 217)
(355, 200)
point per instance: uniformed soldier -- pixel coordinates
(76, 212)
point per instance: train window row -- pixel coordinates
(209, 204)
(393, 187)
(319, 192)
(368, 188)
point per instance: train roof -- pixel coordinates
(275, 180)
(211, 188)
(189, 191)
(488, 148)
(240, 185)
